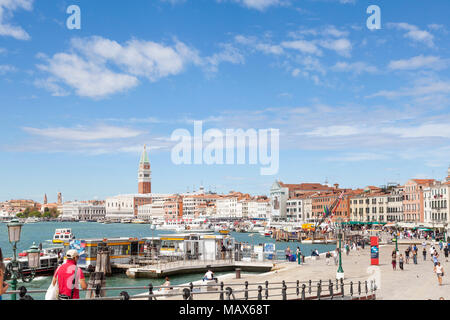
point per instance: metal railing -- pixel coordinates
(213, 290)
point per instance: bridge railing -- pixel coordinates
(214, 290)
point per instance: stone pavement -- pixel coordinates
(415, 282)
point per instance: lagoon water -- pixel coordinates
(43, 233)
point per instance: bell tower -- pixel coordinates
(144, 174)
(448, 174)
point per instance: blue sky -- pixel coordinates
(355, 106)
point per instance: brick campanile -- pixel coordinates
(144, 174)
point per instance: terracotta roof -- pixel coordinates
(305, 186)
(423, 181)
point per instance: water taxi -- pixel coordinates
(125, 221)
(62, 235)
(31, 220)
(138, 221)
(48, 262)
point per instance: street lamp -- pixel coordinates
(13, 268)
(396, 237)
(340, 270)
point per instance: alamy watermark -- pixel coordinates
(229, 146)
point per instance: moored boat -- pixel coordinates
(62, 235)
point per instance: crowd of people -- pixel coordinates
(412, 251)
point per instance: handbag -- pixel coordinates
(52, 291)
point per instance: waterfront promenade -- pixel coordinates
(415, 282)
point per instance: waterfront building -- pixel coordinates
(125, 206)
(195, 205)
(395, 204)
(322, 200)
(227, 207)
(436, 204)
(413, 204)
(294, 209)
(17, 206)
(254, 208)
(58, 206)
(370, 206)
(83, 211)
(152, 211)
(280, 193)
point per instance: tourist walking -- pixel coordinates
(69, 277)
(415, 255)
(3, 284)
(424, 254)
(394, 260)
(439, 272)
(435, 259)
(328, 257)
(446, 253)
(347, 249)
(287, 253)
(407, 255)
(336, 256)
(400, 261)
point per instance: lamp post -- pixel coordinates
(396, 237)
(445, 232)
(340, 270)
(14, 230)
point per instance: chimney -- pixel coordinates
(336, 186)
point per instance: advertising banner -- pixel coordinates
(374, 251)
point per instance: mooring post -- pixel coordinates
(267, 290)
(260, 292)
(246, 290)
(221, 290)
(283, 291)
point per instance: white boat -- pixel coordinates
(138, 221)
(63, 235)
(31, 220)
(125, 221)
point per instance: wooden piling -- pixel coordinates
(97, 279)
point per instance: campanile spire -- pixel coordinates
(144, 174)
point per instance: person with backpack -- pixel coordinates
(69, 277)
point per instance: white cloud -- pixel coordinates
(414, 33)
(260, 5)
(358, 156)
(356, 67)
(341, 46)
(89, 79)
(6, 68)
(7, 7)
(303, 46)
(429, 62)
(333, 131)
(97, 67)
(82, 133)
(427, 130)
(420, 89)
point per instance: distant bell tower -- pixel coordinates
(144, 174)
(45, 198)
(59, 198)
(448, 174)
